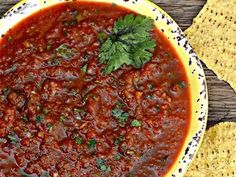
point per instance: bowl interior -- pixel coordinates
(195, 73)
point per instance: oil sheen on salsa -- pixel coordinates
(61, 116)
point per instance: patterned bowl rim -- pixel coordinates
(192, 64)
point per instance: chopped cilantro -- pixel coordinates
(130, 43)
(79, 113)
(150, 96)
(6, 91)
(39, 118)
(117, 157)
(46, 111)
(63, 118)
(120, 104)
(182, 84)
(136, 123)
(53, 62)
(118, 140)
(92, 143)
(9, 38)
(120, 115)
(84, 68)
(25, 118)
(102, 166)
(79, 18)
(49, 127)
(151, 86)
(49, 46)
(24, 174)
(102, 36)
(78, 140)
(13, 137)
(75, 13)
(158, 108)
(10, 69)
(64, 51)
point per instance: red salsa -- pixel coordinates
(61, 116)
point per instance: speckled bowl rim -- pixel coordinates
(193, 67)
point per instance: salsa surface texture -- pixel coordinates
(60, 116)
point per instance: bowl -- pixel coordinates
(192, 64)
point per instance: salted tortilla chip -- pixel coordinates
(213, 36)
(217, 154)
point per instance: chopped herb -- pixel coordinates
(151, 86)
(130, 43)
(39, 118)
(11, 69)
(49, 46)
(171, 76)
(75, 13)
(92, 143)
(84, 68)
(25, 118)
(117, 157)
(49, 127)
(6, 91)
(79, 18)
(45, 174)
(64, 51)
(74, 22)
(24, 174)
(113, 4)
(118, 140)
(94, 96)
(65, 33)
(120, 115)
(158, 108)
(9, 38)
(182, 84)
(13, 138)
(136, 123)
(65, 23)
(102, 166)
(120, 104)
(53, 62)
(79, 113)
(63, 118)
(102, 36)
(86, 57)
(46, 111)
(150, 97)
(78, 140)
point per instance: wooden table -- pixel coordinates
(222, 98)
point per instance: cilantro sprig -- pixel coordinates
(129, 43)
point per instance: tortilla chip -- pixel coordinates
(213, 36)
(217, 154)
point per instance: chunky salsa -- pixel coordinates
(62, 116)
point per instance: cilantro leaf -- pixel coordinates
(13, 137)
(39, 118)
(92, 143)
(78, 140)
(102, 166)
(120, 115)
(130, 43)
(136, 123)
(64, 51)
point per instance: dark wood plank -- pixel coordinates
(222, 98)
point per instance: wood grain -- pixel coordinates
(222, 98)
